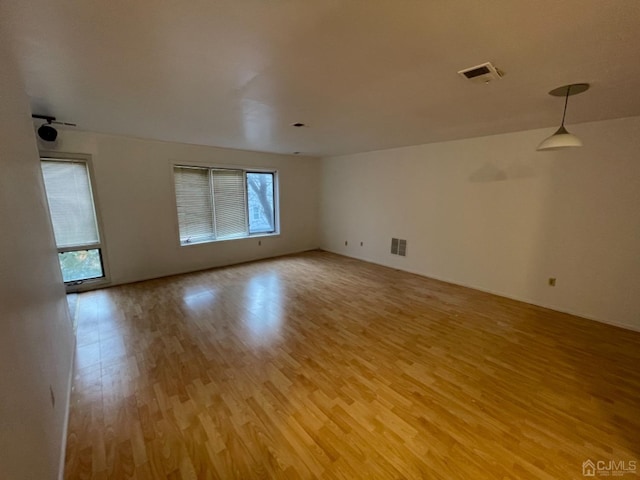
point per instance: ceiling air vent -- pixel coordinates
(482, 73)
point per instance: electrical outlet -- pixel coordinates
(53, 397)
(346, 243)
(552, 282)
(361, 243)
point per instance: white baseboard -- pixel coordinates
(634, 328)
(193, 270)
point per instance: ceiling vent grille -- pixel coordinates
(483, 73)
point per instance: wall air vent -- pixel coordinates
(399, 247)
(394, 246)
(482, 73)
(402, 248)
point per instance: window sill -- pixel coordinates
(219, 240)
(87, 285)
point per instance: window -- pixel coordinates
(73, 215)
(260, 196)
(220, 204)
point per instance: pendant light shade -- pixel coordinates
(561, 138)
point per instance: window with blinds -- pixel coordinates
(195, 211)
(70, 203)
(229, 201)
(217, 204)
(73, 216)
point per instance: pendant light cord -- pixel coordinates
(566, 100)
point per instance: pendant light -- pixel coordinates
(562, 138)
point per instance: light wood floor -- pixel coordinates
(320, 366)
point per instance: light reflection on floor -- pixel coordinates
(200, 300)
(264, 298)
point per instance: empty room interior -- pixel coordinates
(250, 239)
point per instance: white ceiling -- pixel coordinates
(363, 74)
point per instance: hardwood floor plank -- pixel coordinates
(321, 366)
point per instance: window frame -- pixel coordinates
(276, 222)
(276, 199)
(81, 285)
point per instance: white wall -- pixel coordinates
(36, 338)
(494, 214)
(134, 187)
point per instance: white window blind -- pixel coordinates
(193, 197)
(229, 203)
(70, 200)
(213, 203)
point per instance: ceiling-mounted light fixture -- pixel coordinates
(562, 138)
(46, 132)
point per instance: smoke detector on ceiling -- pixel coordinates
(483, 73)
